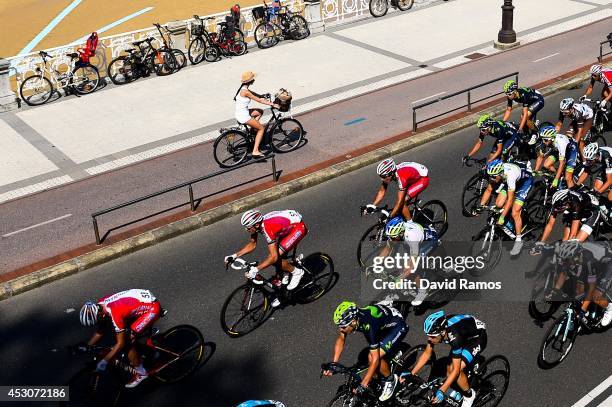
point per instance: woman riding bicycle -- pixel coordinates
(247, 116)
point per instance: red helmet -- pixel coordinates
(235, 8)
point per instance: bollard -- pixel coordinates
(8, 99)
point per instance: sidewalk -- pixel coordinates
(75, 138)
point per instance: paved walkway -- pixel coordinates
(74, 138)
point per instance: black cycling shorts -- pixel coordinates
(469, 353)
(535, 107)
(392, 339)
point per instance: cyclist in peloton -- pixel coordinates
(412, 179)
(532, 101)
(505, 135)
(598, 161)
(133, 311)
(283, 231)
(517, 179)
(599, 74)
(384, 329)
(420, 240)
(580, 212)
(467, 337)
(563, 149)
(581, 119)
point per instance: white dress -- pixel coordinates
(242, 108)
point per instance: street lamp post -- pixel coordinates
(506, 38)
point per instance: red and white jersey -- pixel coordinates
(126, 306)
(278, 224)
(606, 77)
(408, 173)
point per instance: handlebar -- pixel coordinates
(479, 161)
(240, 264)
(364, 208)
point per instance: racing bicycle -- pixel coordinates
(379, 8)
(601, 124)
(281, 134)
(286, 25)
(81, 78)
(250, 305)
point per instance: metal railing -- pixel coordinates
(193, 202)
(469, 104)
(601, 47)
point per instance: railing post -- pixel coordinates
(191, 198)
(274, 177)
(469, 100)
(600, 58)
(96, 230)
(516, 77)
(414, 122)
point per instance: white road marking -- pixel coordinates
(583, 402)
(546, 57)
(607, 402)
(113, 24)
(428, 97)
(37, 225)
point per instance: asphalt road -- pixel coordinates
(281, 359)
(386, 113)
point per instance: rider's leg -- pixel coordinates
(255, 124)
(286, 245)
(549, 164)
(412, 193)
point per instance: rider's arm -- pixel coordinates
(583, 176)
(508, 204)
(560, 168)
(95, 338)
(559, 122)
(539, 162)
(524, 118)
(508, 111)
(496, 154)
(476, 147)
(272, 256)
(455, 369)
(380, 194)
(121, 340)
(339, 347)
(372, 368)
(574, 228)
(589, 89)
(399, 204)
(423, 359)
(250, 95)
(606, 184)
(548, 228)
(249, 247)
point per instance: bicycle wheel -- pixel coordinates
(472, 192)
(410, 392)
(600, 140)
(535, 221)
(286, 135)
(212, 53)
(493, 385)
(298, 28)
(36, 90)
(265, 35)
(163, 62)
(187, 343)
(433, 213)
(85, 79)
(231, 148)
(557, 342)
(409, 359)
(346, 398)
(181, 59)
(405, 4)
(246, 308)
(317, 279)
(196, 51)
(122, 70)
(489, 248)
(378, 8)
(237, 47)
(90, 389)
(540, 309)
(371, 244)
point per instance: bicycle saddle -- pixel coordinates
(73, 55)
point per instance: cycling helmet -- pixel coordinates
(566, 104)
(510, 86)
(590, 151)
(495, 167)
(548, 133)
(435, 323)
(250, 218)
(560, 198)
(89, 313)
(484, 122)
(596, 70)
(395, 227)
(385, 168)
(261, 403)
(569, 249)
(345, 313)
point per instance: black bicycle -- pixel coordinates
(211, 46)
(432, 213)
(180, 60)
(489, 379)
(403, 361)
(379, 8)
(281, 134)
(286, 24)
(601, 123)
(250, 305)
(141, 62)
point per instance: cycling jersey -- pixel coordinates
(504, 133)
(606, 78)
(566, 149)
(603, 166)
(136, 309)
(383, 327)
(583, 206)
(278, 224)
(416, 236)
(526, 96)
(412, 177)
(517, 178)
(467, 337)
(580, 113)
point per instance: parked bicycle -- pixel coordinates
(432, 213)
(211, 46)
(179, 56)
(281, 134)
(403, 361)
(489, 379)
(141, 62)
(379, 8)
(273, 29)
(249, 305)
(168, 357)
(81, 78)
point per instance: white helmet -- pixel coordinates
(560, 197)
(251, 217)
(590, 151)
(566, 104)
(386, 167)
(569, 249)
(89, 313)
(596, 70)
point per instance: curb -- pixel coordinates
(160, 234)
